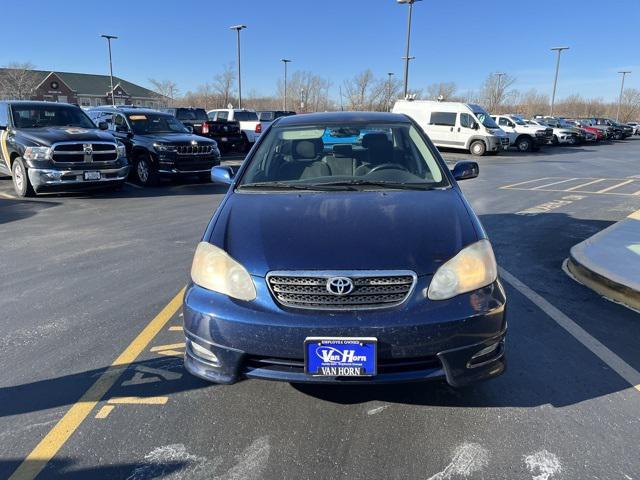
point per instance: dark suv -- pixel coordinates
(158, 144)
(54, 146)
(226, 133)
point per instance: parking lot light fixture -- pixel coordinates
(624, 74)
(109, 38)
(406, 55)
(555, 81)
(237, 28)
(285, 61)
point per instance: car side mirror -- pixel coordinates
(465, 170)
(475, 126)
(222, 174)
(103, 125)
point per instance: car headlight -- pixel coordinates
(122, 150)
(37, 153)
(215, 270)
(163, 147)
(472, 268)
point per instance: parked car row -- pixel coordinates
(469, 127)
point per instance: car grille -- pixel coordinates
(378, 289)
(504, 141)
(194, 149)
(79, 152)
(385, 365)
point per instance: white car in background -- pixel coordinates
(523, 136)
(560, 134)
(250, 126)
(636, 127)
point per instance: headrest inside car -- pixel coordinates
(305, 149)
(374, 139)
(343, 151)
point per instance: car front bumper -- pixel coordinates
(417, 340)
(51, 178)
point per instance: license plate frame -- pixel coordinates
(315, 366)
(91, 175)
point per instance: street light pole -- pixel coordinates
(237, 28)
(624, 74)
(498, 93)
(406, 56)
(109, 38)
(555, 81)
(285, 61)
(389, 86)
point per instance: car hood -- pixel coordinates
(49, 135)
(364, 230)
(177, 138)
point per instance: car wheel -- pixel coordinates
(524, 144)
(478, 148)
(555, 140)
(21, 183)
(245, 146)
(146, 172)
(571, 140)
(618, 136)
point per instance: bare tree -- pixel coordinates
(444, 90)
(365, 92)
(495, 91)
(224, 85)
(166, 88)
(630, 107)
(306, 92)
(18, 81)
(532, 103)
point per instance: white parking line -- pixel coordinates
(612, 360)
(614, 186)
(554, 183)
(528, 181)
(584, 184)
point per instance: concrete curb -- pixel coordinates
(609, 261)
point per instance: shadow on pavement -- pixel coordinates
(13, 210)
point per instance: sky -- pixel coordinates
(459, 41)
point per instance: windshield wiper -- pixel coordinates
(292, 186)
(377, 183)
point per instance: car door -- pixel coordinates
(466, 128)
(509, 128)
(442, 127)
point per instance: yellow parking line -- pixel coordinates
(554, 183)
(522, 183)
(585, 184)
(6, 195)
(104, 411)
(176, 328)
(53, 441)
(614, 186)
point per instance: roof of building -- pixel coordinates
(92, 84)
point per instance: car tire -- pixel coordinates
(245, 146)
(572, 141)
(478, 148)
(20, 177)
(146, 172)
(524, 144)
(618, 136)
(555, 140)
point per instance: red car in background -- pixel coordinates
(585, 126)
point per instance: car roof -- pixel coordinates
(109, 108)
(343, 117)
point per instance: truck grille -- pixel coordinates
(194, 149)
(504, 141)
(84, 152)
(371, 289)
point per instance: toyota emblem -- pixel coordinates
(340, 285)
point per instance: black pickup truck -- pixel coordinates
(55, 146)
(226, 133)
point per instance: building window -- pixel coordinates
(85, 101)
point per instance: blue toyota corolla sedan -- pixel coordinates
(335, 261)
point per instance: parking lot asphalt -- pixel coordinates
(92, 384)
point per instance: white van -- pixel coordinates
(456, 125)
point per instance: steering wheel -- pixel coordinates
(388, 166)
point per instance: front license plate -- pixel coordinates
(340, 356)
(92, 175)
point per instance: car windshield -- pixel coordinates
(191, 114)
(343, 156)
(265, 116)
(518, 120)
(485, 119)
(144, 123)
(49, 115)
